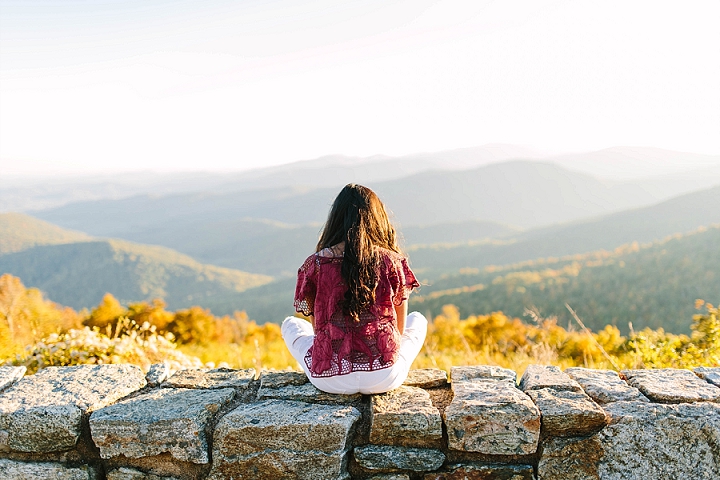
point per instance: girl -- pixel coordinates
(354, 289)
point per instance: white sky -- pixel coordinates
(89, 86)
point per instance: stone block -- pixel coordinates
(489, 471)
(271, 379)
(124, 473)
(10, 375)
(492, 417)
(389, 458)
(307, 393)
(650, 440)
(573, 459)
(605, 386)
(426, 378)
(710, 375)
(642, 441)
(157, 373)
(547, 376)
(405, 416)
(566, 413)
(482, 372)
(160, 421)
(43, 412)
(283, 439)
(216, 378)
(670, 385)
(390, 476)
(14, 470)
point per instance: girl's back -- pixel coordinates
(354, 290)
(343, 345)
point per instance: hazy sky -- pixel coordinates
(187, 85)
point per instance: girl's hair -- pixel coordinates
(359, 219)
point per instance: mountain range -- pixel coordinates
(664, 173)
(193, 239)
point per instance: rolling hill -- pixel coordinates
(277, 249)
(19, 232)
(77, 270)
(522, 193)
(653, 285)
(681, 214)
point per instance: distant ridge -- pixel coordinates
(650, 285)
(625, 164)
(516, 192)
(326, 171)
(628, 162)
(678, 215)
(76, 270)
(522, 193)
(19, 232)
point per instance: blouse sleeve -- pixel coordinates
(405, 281)
(306, 286)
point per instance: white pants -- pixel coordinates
(299, 335)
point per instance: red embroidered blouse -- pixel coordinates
(342, 345)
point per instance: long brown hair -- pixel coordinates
(359, 219)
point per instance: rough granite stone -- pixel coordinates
(492, 417)
(157, 374)
(4, 439)
(482, 372)
(670, 385)
(283, 439)
(14, 470)
(643, 441)
(43, 412)
(489, 471)
(573, 459)
(216, 378)
(10, 375)
(387, 458)
(605, 386)
(547, 376)
(124, 473)
(710, 375)
(307, 393)
(405, 416)
(661, 441)
(567, 413)
(269, 379)
(163, 420)
(390, 476)
(426, 378)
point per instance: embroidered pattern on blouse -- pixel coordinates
(341, 345)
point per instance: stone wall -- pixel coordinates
(114, 422)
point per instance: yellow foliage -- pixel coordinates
(107, 313)
(113, 334)
(26, 316)
(138, 345)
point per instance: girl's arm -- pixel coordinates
(400, 314)
(312, 320)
